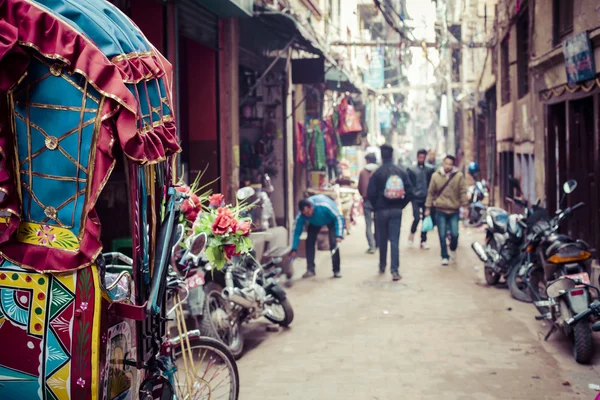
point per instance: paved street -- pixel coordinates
(438, 334)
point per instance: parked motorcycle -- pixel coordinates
(505, 238)
(476, 194)
(244, 291)
(579, 323)
(477, 210)
(268, 238)
(556, 257)
(502, 245)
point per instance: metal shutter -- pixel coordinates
(197, 23)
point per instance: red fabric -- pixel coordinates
(349, 122)
(300, 144)
(330, 140)
(13, 64)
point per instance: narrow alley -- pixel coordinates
(440, 333)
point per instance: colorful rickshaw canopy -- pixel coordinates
(95, 39)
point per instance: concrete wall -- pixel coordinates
(548, 70)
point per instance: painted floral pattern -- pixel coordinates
(47, 236)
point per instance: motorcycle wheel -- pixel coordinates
(491, 277)
(517, 286)
(216, 321)
(582, 342)
(285, 314)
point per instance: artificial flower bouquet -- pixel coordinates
(227, 232)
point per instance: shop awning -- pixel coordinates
(338, 80)
(229, 8)
(273, 30)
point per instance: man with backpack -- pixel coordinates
(389, 191)
(447, 193)
(363, 184)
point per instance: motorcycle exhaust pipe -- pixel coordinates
(480, 251)
(236, 298)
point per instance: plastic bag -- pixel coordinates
(427, 224)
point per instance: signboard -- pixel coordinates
(579, 58)
(375, 75)
(308, 71)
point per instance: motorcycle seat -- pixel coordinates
(278, 252)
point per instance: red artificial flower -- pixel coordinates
(230, 251)
(182, 188)
(191, 216)
(216, 200)
(191, 207)
(222, 224)
(224, 211)
(242, 228)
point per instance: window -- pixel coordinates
(504, 72)
(523, 53)
(563, 19)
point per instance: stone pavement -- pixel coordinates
(440, 333)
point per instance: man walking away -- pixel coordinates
(420, 177)
(319, 211)
(389, 191)
(447, 193)
(363, 184)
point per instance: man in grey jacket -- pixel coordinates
(420, 177)
(363, 184)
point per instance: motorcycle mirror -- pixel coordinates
(559, 287)
(570, 186)
(198, 244)
(245, 193)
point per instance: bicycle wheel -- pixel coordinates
(210, 373)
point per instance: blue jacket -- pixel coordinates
(326, 212)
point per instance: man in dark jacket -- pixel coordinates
(420, 177)
(389, 191)
(363, 184)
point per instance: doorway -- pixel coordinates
(581, 157)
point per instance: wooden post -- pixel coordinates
(289, 141)
(229, 132)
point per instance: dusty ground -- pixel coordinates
(438, 334)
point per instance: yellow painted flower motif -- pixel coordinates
(47, 236)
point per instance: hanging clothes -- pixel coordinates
(301, 157)
(330, 140)
(349, 122)
(319, 154)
